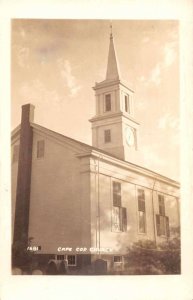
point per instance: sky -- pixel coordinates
(55, 64)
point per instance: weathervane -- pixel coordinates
(111, 30)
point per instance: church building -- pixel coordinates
(83, 203)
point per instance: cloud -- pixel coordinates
(23, 57)
(145, 40)
(46, 53)
(36, 91)
(151, 159)
(169, 54)
(168, 121)
(68, 77)
(22, 33)
(168, 58)
(155, 75)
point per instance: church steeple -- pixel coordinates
(114, 128)
(112, 65)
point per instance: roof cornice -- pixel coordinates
(107, 83)
(132, 167)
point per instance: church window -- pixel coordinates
(167, 226)
(117, 259)
(161, 205)
(71, 260)
(116, 193)
(108, 102)
(60, 257)
(124, 218)
(161, 225)
(162, 221)
(15, 153)
(141, 211)
(107, 136)
(119, 212)
(116, 219)
(141, 200)
(127, 103)
(40, 148)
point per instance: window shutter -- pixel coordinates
(124, 218)
(161, 205)
(167, 227)
(107, 136)
(116, 219)
(108, 102)
(40, 149)
(158, 225)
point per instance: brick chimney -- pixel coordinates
(24, 176)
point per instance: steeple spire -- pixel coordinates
(111, 32)
(112, 66)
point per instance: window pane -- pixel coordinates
(107, 102)
(124, 218)
(141, 222)
(141, 200)
(141, 194)
(167, 227)
(161, 205)
(71, 260)
(162, 226)
(40, 149)
(117, 258)
(116, 193)
(107, 136)
(158, 225)
(116, 219)
(127, 104)
(141, 205)
(60, 257)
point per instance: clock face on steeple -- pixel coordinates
(130, 137)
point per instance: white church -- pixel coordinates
(80, 203)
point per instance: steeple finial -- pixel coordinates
(111, 30)
(112, 65)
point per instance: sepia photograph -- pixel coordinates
(95, 147)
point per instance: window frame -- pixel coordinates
(116, 215)
(118, 256)
(117, 191)
(161, 204)
(141, 211)
(118, 212)
(40, 149)
(127, 103)
(107, 103)
(165, 230)
(107, 136)
(75, 257)
(60, 256)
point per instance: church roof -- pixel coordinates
(85, 150)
